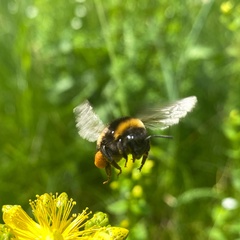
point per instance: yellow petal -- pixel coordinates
(110, 233)
(20, 223)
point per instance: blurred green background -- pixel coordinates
(124, 56)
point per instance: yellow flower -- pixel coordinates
(52, 219)
(98, 223)
(54, 222)
(109, 233)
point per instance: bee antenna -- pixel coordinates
(158, 136)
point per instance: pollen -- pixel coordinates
(100, 161)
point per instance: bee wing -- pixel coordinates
(170, 114)
(89, 125)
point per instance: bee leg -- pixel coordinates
(144, 158)
(125, 156)
(114, 164)
(110, 160)
(121, 151)
(108, 170)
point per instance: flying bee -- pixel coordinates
(127, 135)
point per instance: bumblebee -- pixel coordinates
(127, 135)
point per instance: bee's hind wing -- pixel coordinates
(169, 115)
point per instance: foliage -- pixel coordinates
(124, 56)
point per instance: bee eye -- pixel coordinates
(130, 137)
